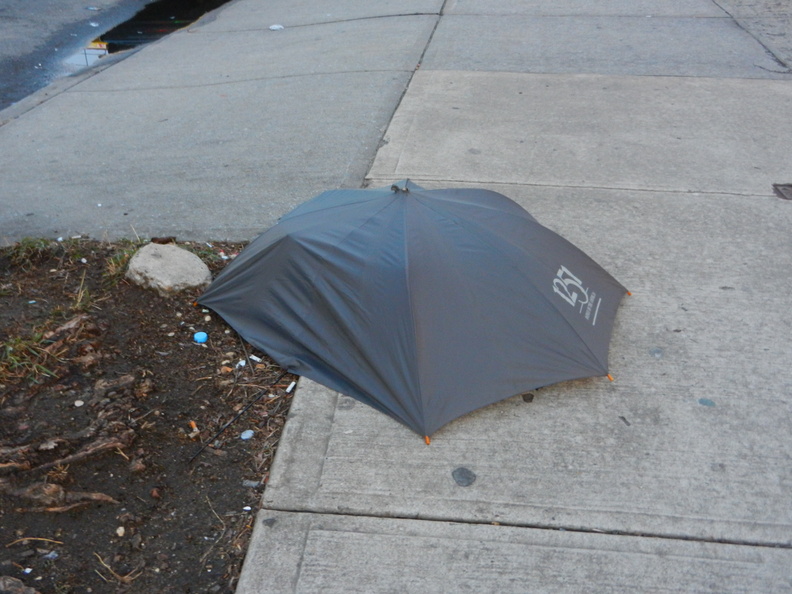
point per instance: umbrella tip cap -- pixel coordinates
(404, 188)
(610, 377)
(427, 439)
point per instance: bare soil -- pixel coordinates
(104, 400)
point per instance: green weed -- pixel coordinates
(28, 251)
(25, 358)
(116, 264)
(82, 298)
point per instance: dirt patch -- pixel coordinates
(104, 400)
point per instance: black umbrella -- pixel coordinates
(425, 304)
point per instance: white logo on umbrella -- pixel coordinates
(570, 288)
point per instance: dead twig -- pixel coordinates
(244, 350)
(56, 509)
(241, 534)
(215, 513)
(100, 445)
(54, 498)
(8, 451)
(18, 540)
(13, 466)
(141, 417)
(72, 324)
(124, 579)
(218, 539)
(80, 496)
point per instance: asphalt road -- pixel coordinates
(37, 35)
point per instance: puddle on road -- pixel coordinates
(154, 21)
(87, 56)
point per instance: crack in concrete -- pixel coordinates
(231, 82)
(382, 140)
(317, 23)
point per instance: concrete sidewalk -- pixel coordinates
(647, 133)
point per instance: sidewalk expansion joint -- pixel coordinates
(528, 526)
(382, 142)
(485, 183)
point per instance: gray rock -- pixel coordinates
(167, 269)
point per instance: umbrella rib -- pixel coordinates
(413, 323)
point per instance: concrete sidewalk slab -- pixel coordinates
(273, 118)
(648, 133)
(136, 163)
(623, 8)
(767, 21)
(657, 46)
(690, 441)
(294, 552)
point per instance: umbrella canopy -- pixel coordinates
(425, 304)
